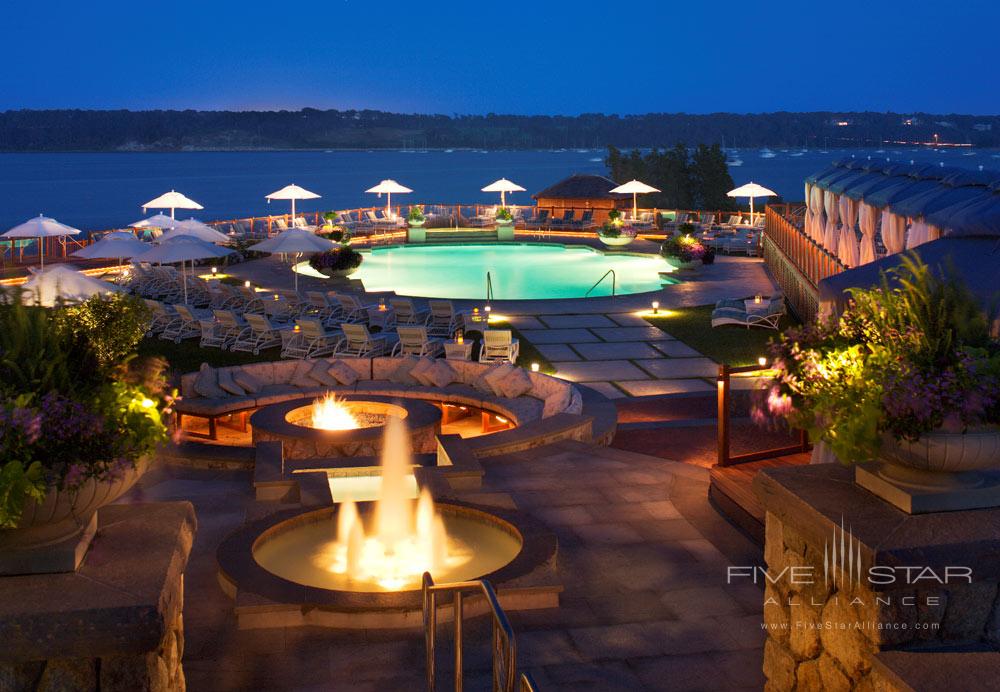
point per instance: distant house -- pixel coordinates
(583, 192)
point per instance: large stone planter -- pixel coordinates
(338, 273)
(53, 535)
(939, 471)
(416, 224)
(615, 241)
(505, 222)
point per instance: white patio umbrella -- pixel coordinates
(196, 228)
(751, 190)
(292, 192)
(181, 248)
(503, 186)
(634, 188)
(171, 200)
(388, 187)
(294, 241)
(63, 282)
(154, 221)
(116, 245)
(40, 227)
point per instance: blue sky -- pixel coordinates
(511, 57)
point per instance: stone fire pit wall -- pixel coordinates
(826, 627)
(115, 625)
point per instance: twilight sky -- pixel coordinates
(547, 57)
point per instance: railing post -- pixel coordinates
(458, 641)
(723, 415)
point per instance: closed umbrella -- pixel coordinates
(171, 200)
(60, 282)
(295, 241)
(181, 248)
(118, 245)
(292, 192)
(194, 227)
(388, 187)
(40, 227)
(634, 188)
(751, 190)
(503, 186)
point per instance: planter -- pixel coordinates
(615, 241)
(505, 222)
(54, 535)
(940, 459)
(417, 224)
(684, 266)
(338, 273)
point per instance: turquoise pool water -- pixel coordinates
(519, 272)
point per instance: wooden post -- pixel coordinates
(723, 414)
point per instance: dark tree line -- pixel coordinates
(67, 130)
(687, 179)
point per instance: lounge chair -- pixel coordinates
(310, 340)
(407, 313)
(220, 331)
(187, 325)
(565, 222)
(300, 222)
(444, 320)
(319, 306)
(538, 220)
(736, 312)
(351, 309)
(358, 342)
(413, 341)
(162, 316)
(499, 346)
(586, 221)
(644, 222)
(259, 334)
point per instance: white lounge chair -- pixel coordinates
(187, 325)
(413, 341)
(499, 346)
(407, 313)
(223, 330)
(736, 312)
(259, 334)
(352, 309)
(444, 320)
(310, 340)
(360, 343)
(162, 316)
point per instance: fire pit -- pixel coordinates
(347, 426)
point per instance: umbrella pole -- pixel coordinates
(292, 224)
(294, 262)
(41, 251)
(388, 205)
(503, 199)
(184, 279)
(751, 210)
(635, 206)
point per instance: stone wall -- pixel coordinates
(825, 624)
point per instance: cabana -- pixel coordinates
(583, 192)
(856, 206)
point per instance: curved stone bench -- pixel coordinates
(552, 410)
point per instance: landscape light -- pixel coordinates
(656, 307)
(762, 361)
(534, 367)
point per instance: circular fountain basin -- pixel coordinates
(304, 551)
(289, 422)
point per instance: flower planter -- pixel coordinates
(53, 535)
(504, 222)
(615, 241)
(338, 273)
(417, 224)
(684, 266)
(940, 459)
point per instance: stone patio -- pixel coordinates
(642, 557)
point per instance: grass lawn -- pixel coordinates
(730, 344)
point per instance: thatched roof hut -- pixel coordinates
(583, 192)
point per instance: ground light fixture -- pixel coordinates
(656, 307)
(246, 284)
(534, 367)
(762, 361)
(215, 270)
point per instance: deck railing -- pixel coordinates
(797, 262)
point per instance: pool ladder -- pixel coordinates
(489, 288)
(614, 282)
(505, 677)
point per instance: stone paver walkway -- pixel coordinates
(642, 556)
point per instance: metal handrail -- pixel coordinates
(614, 281)
(489, 288)
(504, 646)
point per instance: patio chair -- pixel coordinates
(499, 346)
(252, 301)
(538, 220)
(352, 309)
(586, 221)
(706, 220)
(413, 341)
(487, 218)
(300, 222)
(443, 320)
(224, 296)
(407, 313)
(734, 221)
(736, 312)
(310, 340)
(358, 342)
(644, 222)
(162, 316)
(565, 222)
(223, 330)
(187, 325)
(259, 334)
(279, 309)
(318, 305)
(279, 223)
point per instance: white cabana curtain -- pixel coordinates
(809, 212)
(918, 235)
(847, 244)
(868, 221)
(816, 207)
(832, 215)
(893, 232)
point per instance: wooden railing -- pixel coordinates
(796, 261)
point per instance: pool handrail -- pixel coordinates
(614, 281)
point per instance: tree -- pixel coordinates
(710, 179)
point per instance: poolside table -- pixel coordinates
(457, 351)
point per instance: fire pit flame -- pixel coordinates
(331, 413)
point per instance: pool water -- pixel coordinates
(518, 271)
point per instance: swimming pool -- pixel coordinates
(518, 271)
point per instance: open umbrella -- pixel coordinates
(181, 248)
(751, 190)
(171, 200)
(194, 227)
(118, 244)
(64, 283)
(388, 187)
(294, 241)
(634, 188)
(40, 227)
(292, 192)
(503, 186)
(154, 221)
